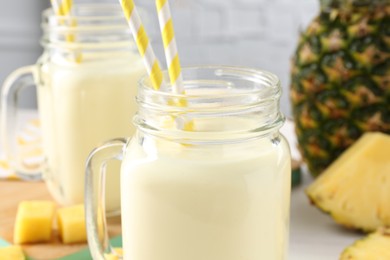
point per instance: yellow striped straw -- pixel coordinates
(64, 8)
(170, 47)
(172, 59)
(144, 47)
(150, 60)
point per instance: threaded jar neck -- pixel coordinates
(89, 28)
(221, 103)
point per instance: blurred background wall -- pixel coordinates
(256, 33)
(19, 38)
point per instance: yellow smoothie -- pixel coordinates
(81, 105)
(210, 203)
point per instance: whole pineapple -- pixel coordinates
(340, 78)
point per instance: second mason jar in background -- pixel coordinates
(86, 82)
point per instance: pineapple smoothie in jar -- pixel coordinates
(86, 86)
(210, 180)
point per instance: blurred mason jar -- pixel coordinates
(19, 39)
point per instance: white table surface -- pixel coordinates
(313, 234)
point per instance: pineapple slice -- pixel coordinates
(11, 253)
(355, 189)
(34, 222)
(71, 224)
(373, 247)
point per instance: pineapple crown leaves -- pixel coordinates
(349, 4)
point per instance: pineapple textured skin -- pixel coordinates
(340, 78)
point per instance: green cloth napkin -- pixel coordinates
(85, 255)
(81, 255)
(3, 243)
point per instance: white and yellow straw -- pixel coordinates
(144, 47)
(64, 8)
(172, 58)
(150, 60)
(170, 47)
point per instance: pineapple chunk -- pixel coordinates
(71, 224)
(355, 189)
(115, 255)
(11, 253)
(373, 247)
(34, 222)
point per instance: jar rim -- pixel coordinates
(212, 93)
(92, 27)
(250, 74)
(84, 9)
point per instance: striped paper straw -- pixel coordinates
(150, 60)
(64, 8)
(144, 47)
(170, 47)
(172, 59)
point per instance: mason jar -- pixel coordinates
(209, 180)
(86, 83)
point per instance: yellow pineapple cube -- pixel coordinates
(34, 222)
(71, 224)
(355, 189)
(11, 253)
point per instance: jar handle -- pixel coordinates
(95, 177)
(15, 83)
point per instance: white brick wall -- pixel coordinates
(255, 33)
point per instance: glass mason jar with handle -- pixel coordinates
(210, 180)
(86, 84)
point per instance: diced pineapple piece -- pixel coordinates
(355, 189)
(11, 253)
(34, 222)
(71, 224)
(373, 247)
(116, 255)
